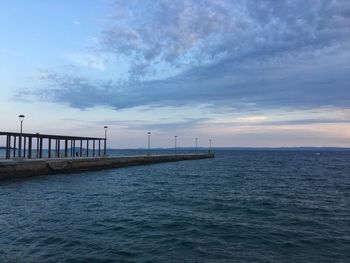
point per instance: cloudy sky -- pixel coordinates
(244, 73)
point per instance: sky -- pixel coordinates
(243, 73)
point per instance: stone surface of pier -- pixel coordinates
(18, 168)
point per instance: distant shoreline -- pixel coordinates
(247, 148)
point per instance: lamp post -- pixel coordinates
(149, 143)
(105, 148)
(196, 143)
(209, 145)
(175, 144)
(21, 118)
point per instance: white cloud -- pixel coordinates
(252, 118)
(87, 60)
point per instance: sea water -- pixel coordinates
(242, 206)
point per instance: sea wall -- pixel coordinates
(17, 168)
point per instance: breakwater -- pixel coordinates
(17, 168)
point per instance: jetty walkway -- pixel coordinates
(30, 154)
(19, 168)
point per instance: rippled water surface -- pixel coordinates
(242, 206)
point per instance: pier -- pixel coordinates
(28, 154)
(19, 168)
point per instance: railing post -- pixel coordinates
(87, 148)
(14, 146)
(24, 146)
(37, 146)
(20, 145)
(30, 148)
(105, 147)
(55, 150)
(49, 153)
(71, 148)
(58, 148)
(65, 148)
(41, 148)
(8, 147)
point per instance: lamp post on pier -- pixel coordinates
(175, 144)
(21, 118)
(209, 145)
(149, 143)
(196, 143)
(105, 145)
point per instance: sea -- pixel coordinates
(241, 206)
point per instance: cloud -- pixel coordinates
(200, 31)
(160, 126)
(296, 83)
(231, 54)
(255, 122)
(87, 60)
(285, 123)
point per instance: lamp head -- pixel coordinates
(149, 133)
(105, 127)
(21, 117)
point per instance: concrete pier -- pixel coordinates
(18, 168)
